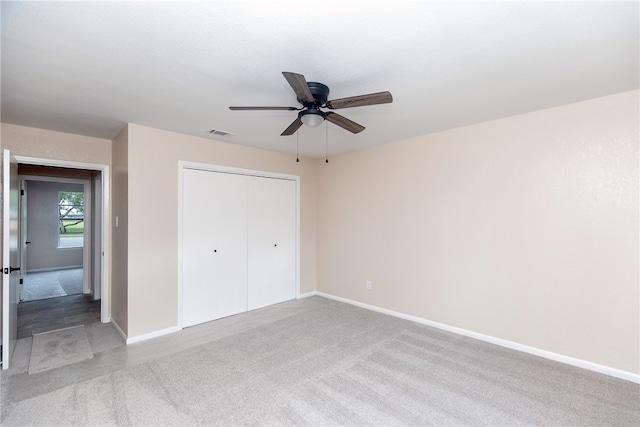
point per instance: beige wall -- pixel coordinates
(48, 144)
(120, 234)
(524, 229)
(153, 216)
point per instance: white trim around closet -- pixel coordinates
(182, 165)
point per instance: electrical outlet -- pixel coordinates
(368, 284)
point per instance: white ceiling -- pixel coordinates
(89, 68)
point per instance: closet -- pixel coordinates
(238, 243)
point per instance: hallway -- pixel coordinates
(56, 313)
(51, 284)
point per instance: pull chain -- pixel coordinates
(297, 147)
(326, 140)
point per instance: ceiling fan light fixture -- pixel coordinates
(312, 117)
(313, 96)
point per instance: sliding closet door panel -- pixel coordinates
(232, 253)
(200, 271)
(214, 246)
(272, 242)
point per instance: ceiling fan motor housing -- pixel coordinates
(320, 94)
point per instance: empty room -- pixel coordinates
(341, 213)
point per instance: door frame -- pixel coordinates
(182, 165)
(87, 247)
(105, 303)
(10, 255)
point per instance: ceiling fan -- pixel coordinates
(313, 96)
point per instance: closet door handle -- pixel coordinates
(275, 245)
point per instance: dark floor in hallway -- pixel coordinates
(56, 313)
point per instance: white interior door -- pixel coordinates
(214, 232)
(272, 241)
(10, 268)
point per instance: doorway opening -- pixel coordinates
(92, 303)
(59, 211)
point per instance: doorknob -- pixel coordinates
(11, 270)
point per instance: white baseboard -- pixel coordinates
(308, 294)
(154, 334)
(44, 270)
(617, 373)
(119, 330)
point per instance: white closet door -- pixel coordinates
(272, 242)
(214, 246)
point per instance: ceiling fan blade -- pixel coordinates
(361, 101)
(293, 127)
(299, 85)
(262, 108)
(344, 123)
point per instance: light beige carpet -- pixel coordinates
(316, 362)
(59, 348)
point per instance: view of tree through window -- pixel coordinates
(70, 219)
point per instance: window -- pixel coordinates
(70, 219)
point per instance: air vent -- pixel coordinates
(219, 132)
